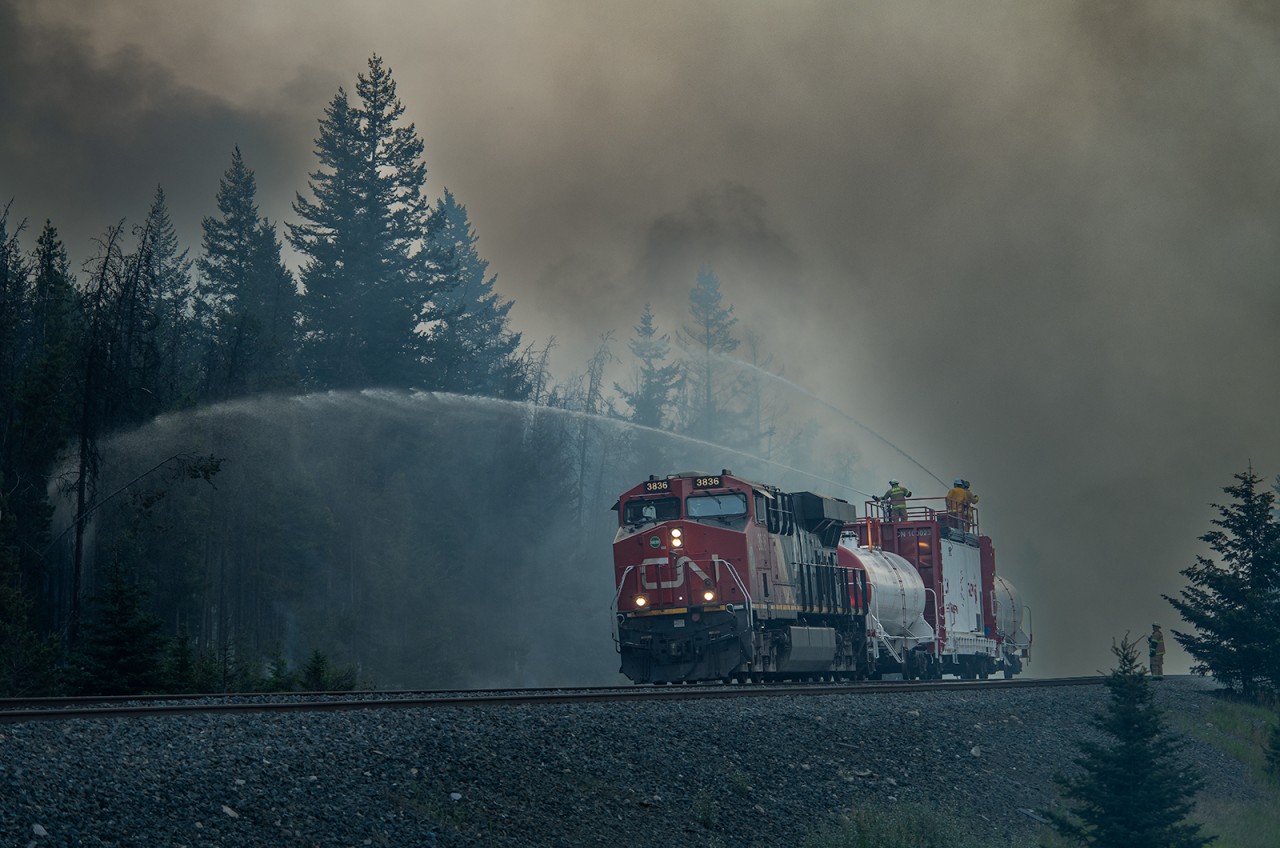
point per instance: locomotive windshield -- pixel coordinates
(717, 506)
(651, 509)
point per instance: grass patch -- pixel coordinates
(902, 825)
(1240, 825)
(1240, 729)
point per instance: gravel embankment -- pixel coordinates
(758, 771)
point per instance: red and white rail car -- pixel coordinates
(721, 578)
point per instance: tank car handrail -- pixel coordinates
(937, 637)
(881, 633)
(884, 639)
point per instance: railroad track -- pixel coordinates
(54, 709)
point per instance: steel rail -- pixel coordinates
(129, 708)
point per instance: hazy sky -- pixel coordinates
(1035, 244)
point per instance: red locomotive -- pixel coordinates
(720, 578)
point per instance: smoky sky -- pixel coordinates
(1035, 245)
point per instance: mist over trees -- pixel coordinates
(230, 467)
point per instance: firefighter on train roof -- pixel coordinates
(897, 498)
(970, 500)
(957, 499)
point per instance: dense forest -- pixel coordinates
(221, 473)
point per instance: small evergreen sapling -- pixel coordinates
(1131, 791)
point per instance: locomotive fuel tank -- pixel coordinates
(897, 595)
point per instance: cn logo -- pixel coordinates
(677, 579)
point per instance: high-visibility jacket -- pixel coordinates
(957, 498)
(897, 496)
(1155, 643)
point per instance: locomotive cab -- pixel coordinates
(682, 602)
(718, 577)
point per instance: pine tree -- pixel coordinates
(1132, 791)
(45, 400)
(361, 307)
(654, 380)
(13, 285)
(179, 336)
(121, 652)
(319, 675)
(26, 660)
(468, 346)
(116, 372)
(709, 335)
(1233, 603)
(137, 372)
(251, 294)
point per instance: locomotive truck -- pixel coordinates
(722, 579)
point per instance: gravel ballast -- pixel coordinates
(732, 772)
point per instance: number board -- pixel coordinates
(657, 486)
(707, 482)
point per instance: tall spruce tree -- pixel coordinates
(46, 397)
(250, 292)
(179, 331)
(361, 305)
(1132, 790)
(26, 660)
(122, 652)
(708, 336)
(1233, 602)
(13, 285)
(467, 345)
(115, 310)
(654, 380)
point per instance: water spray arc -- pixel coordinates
(527, 407)
(846, 416)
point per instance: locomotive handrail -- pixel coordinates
(621, 581)
(733, 572)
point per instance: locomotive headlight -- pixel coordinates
(676, 540)
(641, 600)
(708, 596)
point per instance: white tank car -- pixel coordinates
(1009, 613)
(897, 595)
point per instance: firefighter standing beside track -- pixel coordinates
(1155, 650)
